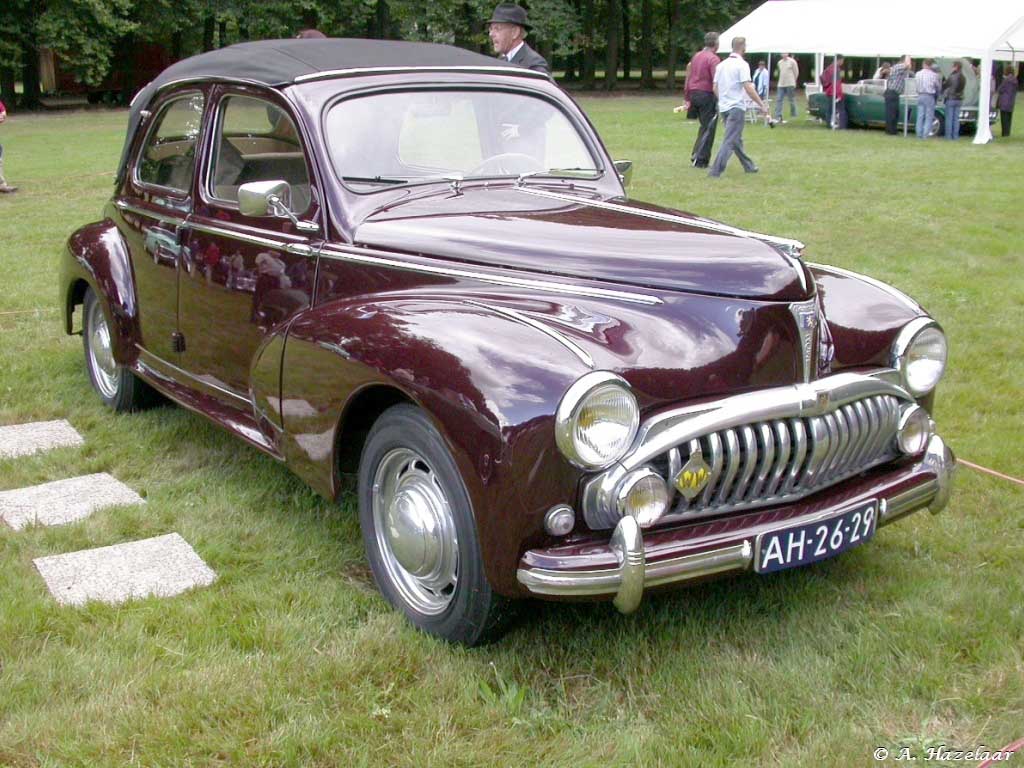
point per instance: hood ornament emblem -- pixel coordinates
(805, 313)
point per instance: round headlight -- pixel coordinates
(915, 430)
(920, 357)
(597, 420)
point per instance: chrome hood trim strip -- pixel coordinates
(790, 247)
(383, 259)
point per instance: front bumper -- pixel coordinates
(627, 565)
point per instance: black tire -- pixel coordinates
(469, 612)
(115, 384)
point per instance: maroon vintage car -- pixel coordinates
(420, 264)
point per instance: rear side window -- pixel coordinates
(168, 159)
(257, 141)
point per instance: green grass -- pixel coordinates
(293, 659)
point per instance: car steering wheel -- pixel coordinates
(507, 164)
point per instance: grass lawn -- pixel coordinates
(292, 658)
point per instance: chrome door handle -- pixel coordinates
(299, 249)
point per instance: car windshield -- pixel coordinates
(409, 137)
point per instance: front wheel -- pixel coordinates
(115, 384)
(419, 530)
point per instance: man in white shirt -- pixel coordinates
(732, 88)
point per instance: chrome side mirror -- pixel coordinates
(271, 198)
(625, 170)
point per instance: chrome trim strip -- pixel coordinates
(163, 218)
(711, 226)
(154, 362)
(245, 237)
(356, 71)
(246, 229)
(378, 258)
(512, 314)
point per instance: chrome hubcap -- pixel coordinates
(415, 531)
(101, 355)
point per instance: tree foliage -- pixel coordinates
(87, 34)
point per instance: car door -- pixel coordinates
(154, 208)
(244, 277)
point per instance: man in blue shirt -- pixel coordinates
(733, 87)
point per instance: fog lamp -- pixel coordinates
(643, 495)
(915, 430)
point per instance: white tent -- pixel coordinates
(990, 30)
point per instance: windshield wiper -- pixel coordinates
(556, 172)
(373, 180)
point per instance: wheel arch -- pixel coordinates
(96, 257)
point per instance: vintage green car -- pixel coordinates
(865, 106)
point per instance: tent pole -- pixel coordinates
(769, 92)
(835, 75)
(983, 134)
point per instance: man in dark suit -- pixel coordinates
(508, 27)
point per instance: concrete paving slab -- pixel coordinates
(63, 501)
(162, 566)
(26, 439)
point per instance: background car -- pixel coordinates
(420, 266)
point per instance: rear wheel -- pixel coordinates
(419, 530)
(117, 386)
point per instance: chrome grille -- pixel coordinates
(779, 460)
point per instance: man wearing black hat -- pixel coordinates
(508, 27)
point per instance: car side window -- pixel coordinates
(168, 159)
(257, 141)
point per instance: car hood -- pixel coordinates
(575, 235)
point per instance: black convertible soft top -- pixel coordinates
(281, 62)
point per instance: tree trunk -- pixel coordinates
(646, 45)
(464, 27)
(222, 33)
(7, 87)
(627, 59)
(209, 25)
(123, 66)
(611, 59)
(30, 74)
(589, 62)
(176, 45)
(243, 30)
(379, 22)
(673, 43)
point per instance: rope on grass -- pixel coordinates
(992, 472)
(37, 311)
(1006, 751)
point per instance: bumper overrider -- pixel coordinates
(634, 560)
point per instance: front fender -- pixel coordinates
(96, 255)
(864, 316)
(490, 382)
